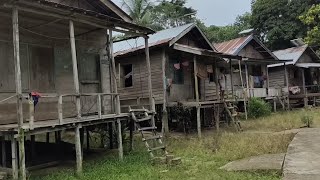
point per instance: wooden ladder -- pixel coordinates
(142, 118)
(233, 114)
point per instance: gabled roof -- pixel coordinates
(106, 7)
(168, 36)
(294, 54)
(234, 46)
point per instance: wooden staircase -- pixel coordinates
(151, 138)
(233, 114)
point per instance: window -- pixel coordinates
(127, 75)
(177, 72)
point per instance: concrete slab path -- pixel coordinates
(302, 161)
(262, 162)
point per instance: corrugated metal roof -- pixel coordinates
(233, 46)
(161, 37)
(293, 54)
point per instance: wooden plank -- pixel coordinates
(287, 85)
(78, 151)
(120, 146)
(31, 113)
(165, 123)
(60, 109)
(152, 105)
(114, 76)
(99, 109)
(75, 67)
(14, 160)
(196, 87)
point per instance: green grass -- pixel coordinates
(201, 158)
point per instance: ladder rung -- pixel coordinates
(138, 110)
(147, 128)
(144, 119)
(152, 138)
(234, 115)
(230, 107)
(157, 148)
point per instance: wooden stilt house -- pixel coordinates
(55, 62)
(183, 65)
(253, 67)
(303, 74)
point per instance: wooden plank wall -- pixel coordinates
(276, 77)
(139, 89)
(46, 67)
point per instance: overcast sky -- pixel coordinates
(217, 12)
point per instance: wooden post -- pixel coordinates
(14, 160)
(78, 150)
(247, 80)
(16, 55)
(244, 91)
(274, 105)
(113, 74)
(217, 110)
(99, 106)
(217, 79)
(105, 69)
(111, 134)
(305, 98)
(60, 110)
(120, 147)
(151, 102)
(131, 127)
(268, 82)
(33, 149)
(165, 124)
(31, 113)
(231, 79)
(88, 138)
(75, 68)
(287, 85)
(3, 151)
(196, 88)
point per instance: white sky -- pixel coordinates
(217, 12)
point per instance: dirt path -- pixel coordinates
(303, 157)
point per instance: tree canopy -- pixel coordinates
(312, 20)
(277, 21)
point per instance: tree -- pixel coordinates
(224, 33)
(139, 11)
(168, 14)
(312, 20)
(277, 21)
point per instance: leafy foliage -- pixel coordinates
(168, 14)
(258, 108)
(312, 20)
(277, 21)
(139, 11)
(219, 34)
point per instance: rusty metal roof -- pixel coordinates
(233, 46)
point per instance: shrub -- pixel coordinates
(258, 108)
(307, 120)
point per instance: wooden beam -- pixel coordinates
(120, 146)
(165, 123)
(16, 53)
(3, 151)
(99, 106)
(14, 160)
(287, 85)
(305, 99)
(247, 80)
(31, 113)
(151, 102)
(244, 91)
(78, 151)
(105, 69)
(196, 88)
(75, 68)
(60, 109)
(231, 79)
(113, 74)
(217, 79)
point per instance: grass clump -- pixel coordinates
(258, 108)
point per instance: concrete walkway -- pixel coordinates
(302, 161)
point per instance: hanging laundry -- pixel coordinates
(202, 71)
(209, 69)
(34, 96)
(185, 63)
(177, 66)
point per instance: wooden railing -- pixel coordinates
(60, 97)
